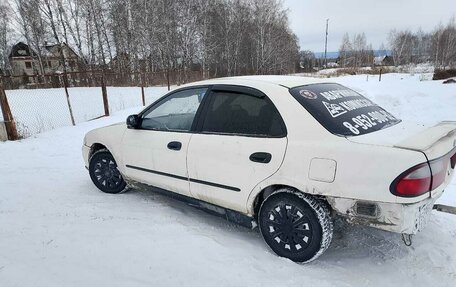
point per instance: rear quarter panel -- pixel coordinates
(363, 171)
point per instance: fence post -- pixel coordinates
(10, 125)
(104, 94)
(142, 89)
(65, 84)
(167, 77)
(380, 75)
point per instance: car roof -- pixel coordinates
(253, 81)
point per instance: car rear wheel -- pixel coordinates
(104, 173)
(295, 225)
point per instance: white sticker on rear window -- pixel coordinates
(342, 111)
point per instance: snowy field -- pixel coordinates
(57, 229)
(36, 111)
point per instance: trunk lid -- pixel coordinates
(434, 142)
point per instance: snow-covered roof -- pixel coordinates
(380, 60)
(54, 49)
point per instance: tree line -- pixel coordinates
(438, 46)
(215, 37)
(406, 47)
(355, 52)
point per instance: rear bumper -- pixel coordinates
(394, 217)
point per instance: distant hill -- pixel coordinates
(335, 55)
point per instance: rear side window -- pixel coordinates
(341, 110)
(237, 113)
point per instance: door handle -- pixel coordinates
(174, 145)
(261, 157)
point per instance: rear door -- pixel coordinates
(156, 152)
(241, 141)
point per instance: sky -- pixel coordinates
(373, 17)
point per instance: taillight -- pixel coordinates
(423, 177)
(439, 169)
(414, 182)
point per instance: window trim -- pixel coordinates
(202, 110)
(236, 89)
(168, 95)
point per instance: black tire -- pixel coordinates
(104, 173)
(295, 225)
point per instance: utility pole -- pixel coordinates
(326, 42)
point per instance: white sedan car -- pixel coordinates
(286, 153)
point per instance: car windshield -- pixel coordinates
(341, 110)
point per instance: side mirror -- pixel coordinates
(133, 122)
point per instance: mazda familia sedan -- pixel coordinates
(285, 153)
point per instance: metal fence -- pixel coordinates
(31, 104)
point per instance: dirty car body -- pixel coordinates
(236, 141)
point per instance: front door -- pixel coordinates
(155, 153)
(241, 141)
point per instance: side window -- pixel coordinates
(235, 113)
(175, 112)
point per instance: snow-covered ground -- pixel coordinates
(422, 68)
(57, 229)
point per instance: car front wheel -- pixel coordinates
(104, 173)
(295, 225)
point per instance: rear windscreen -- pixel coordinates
(342, 111)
